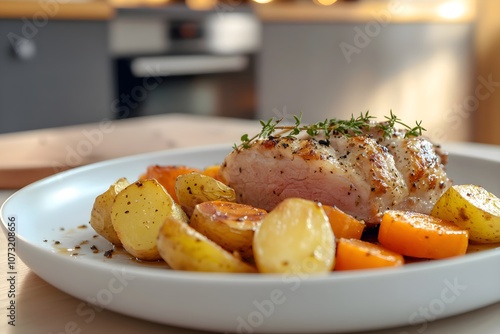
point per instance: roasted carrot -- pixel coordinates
(422, 236)
(343, 225)
(166, 176)
(353, 254)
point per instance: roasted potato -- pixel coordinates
(166, 176)
(183, 248)
(195, 188)
(295, 237)
(213, 171)
(473, 208)
(230, 225)
(137, 214)
(100, 217)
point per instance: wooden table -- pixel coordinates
(42, 308)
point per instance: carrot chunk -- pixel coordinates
(422, 236)
(166, 176)
(353, 254)
(343, 224)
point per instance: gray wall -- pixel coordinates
(421, 71)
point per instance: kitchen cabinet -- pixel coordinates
(55, 68)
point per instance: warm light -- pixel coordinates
(201, 4)
(451, 9)
(135, 3)
(262, 1)
(325, 2)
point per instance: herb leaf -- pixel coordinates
(355, 126)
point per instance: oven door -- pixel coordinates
(207, 84)
(175, 60)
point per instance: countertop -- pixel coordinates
(39, 153)
(41, 308)
(56, 10)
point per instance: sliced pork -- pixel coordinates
(362, 175)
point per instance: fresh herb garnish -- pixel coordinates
(388, 127)
(353, 127)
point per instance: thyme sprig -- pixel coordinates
(353, 126)
(388, 127)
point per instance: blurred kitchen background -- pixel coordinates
(66, 62)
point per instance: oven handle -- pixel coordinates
(187, 65)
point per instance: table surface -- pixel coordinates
(41, 308)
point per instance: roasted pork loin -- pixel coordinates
(363, 175)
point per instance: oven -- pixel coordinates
(176, 60)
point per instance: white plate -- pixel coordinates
(52, 209)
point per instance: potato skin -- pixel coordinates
(195, 188)
(184, 248)
(166, 176)
(473, 208)
(230, 225)
(295, 237)
(100, 217)
(137, 215)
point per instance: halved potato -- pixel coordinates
(166, 176)
(137, 215)
(295, 237)
(212, 171)
(230, 225)
(100, 217)
(473, 208)
(184, 248)
(195, 188)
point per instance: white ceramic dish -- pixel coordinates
(53, 209)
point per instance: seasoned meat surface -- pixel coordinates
(423, 172)
(362, 175)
